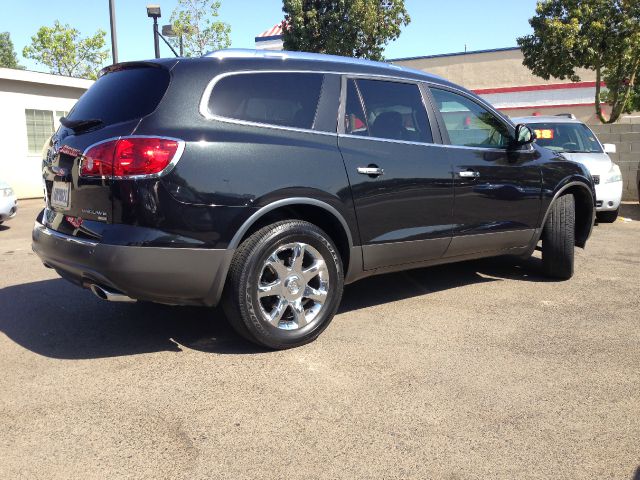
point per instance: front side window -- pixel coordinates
(469, 124)
(566, 137)
(392, 110)
(39, 129)
(283, 99)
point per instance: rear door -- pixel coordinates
(111, 108)
(498, 186)
(401, 181)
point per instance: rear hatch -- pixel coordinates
(111, 108)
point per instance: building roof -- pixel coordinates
(44, 78)
(274, 33)
(455, 54)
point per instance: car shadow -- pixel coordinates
(630, 210)
(4, 227)
(55, 319)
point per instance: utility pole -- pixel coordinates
(114, 39)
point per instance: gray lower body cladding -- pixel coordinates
(182, 276)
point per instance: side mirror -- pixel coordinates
(609, 147)
(524, 134)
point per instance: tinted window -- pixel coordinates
(286, 99)
(122, 95)
(468, 123)
(393, 110)
(566, 137)
(355, 122)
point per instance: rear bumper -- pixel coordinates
(608, 196)
(182, 276)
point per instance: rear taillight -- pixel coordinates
(128, 157)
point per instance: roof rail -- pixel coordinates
(284, 55)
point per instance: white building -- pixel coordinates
(32, 104)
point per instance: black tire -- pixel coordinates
(558, 239)
(240, 299)
(607, 217)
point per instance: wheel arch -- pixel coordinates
(584, 207)
(312, 210)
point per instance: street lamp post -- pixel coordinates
(167, 31)
(153, 11)
(114, 40)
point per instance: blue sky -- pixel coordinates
(437, 26)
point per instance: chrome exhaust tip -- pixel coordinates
(109, 295)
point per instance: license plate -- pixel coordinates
(60, 195)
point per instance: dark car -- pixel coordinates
(269, 180)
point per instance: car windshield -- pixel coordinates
(566, 137)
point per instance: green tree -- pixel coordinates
(599, 35)
(62, 50)
(196, 21)
(8, 58)
(352, 28)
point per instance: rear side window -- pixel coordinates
(122, 95)
(392, 110)
(283, 99)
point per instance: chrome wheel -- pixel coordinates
(293, 286)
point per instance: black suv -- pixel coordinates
(268, 180)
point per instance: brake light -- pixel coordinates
(129, 156)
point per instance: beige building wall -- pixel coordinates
(482, 70)
(496, 69)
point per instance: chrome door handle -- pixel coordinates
(375, 171)
(468, 174)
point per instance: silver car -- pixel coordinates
(8, 202)
(577, 142)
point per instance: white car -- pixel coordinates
(8, 202)
(577, 142)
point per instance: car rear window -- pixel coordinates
(283, 99)
(122, 95)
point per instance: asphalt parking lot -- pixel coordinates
(477, 370)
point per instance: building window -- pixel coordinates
(39, 129)
(58, 116)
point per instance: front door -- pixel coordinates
(401, 182)
(498, 185)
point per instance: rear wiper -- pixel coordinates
(80, 125)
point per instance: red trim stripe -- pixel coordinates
(533, 88)
(273, 31)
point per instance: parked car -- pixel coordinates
(8, 202)
(577, 142)
(269, 180)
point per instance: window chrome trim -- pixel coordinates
(390, 140)
(206, 95)
(164, 171)
(429, 83)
